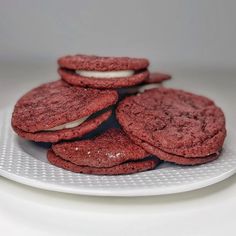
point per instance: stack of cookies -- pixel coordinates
(151, 123)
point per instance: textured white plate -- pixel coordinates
(25, 162)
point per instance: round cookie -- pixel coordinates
(174, 121)
(103, 72)
(56, 110)
(98, 63)
(130, 167)
(111, 148)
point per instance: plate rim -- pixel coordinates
(121, 193)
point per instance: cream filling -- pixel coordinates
(142, 88)
(105, 74)
(69, 125)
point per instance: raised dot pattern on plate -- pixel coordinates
(19, 163)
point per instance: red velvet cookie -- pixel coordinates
(57, 111)
(174, 121)
(129, 167)
(103, 72)
(111, 148)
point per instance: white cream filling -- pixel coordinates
(69, 125)
(142, 88)
(105, 74)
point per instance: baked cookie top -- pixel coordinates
(108, 149)
(98, 63)
(174, 121)
(56, 103)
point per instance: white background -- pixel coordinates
(193, 40)
(181, 32)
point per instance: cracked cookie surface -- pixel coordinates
(174, 121)
(108, 149)
(99, 63)
(56, 103)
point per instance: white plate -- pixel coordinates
(25, 162)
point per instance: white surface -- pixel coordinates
(25, 162)
(184, 32)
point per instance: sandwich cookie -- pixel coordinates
(103, 72)
(110, 153)
(174, 124)
(57, 111)
(111, 148)
(130, 167)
